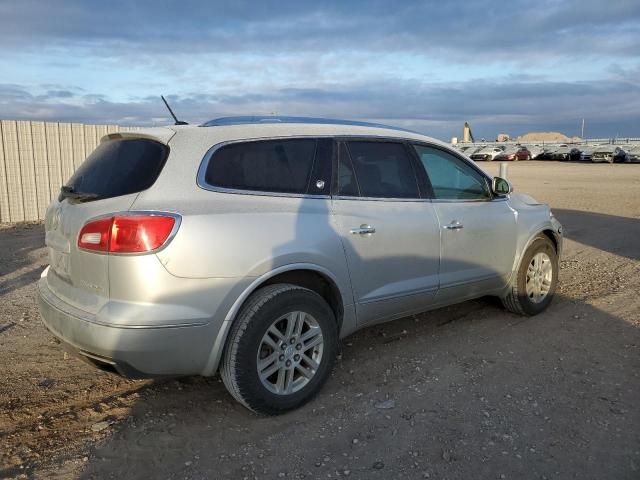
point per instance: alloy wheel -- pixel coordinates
(290, 353)
(539, 277)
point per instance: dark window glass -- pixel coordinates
(282, 166)
(119, 167)
(383, 170)
(451, 177)
(321, 176)
(347, 185)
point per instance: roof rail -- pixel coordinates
(256, 119)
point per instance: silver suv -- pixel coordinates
(252, 245)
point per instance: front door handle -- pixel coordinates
(455, 225)
(363, 229)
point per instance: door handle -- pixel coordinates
(363, 229)
(454, 225)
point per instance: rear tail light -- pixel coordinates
(127, 233)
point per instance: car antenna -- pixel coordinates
(178, 122)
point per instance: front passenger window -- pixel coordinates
(451, 178)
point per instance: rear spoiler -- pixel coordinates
(160, 134)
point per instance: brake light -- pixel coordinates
(127, 233)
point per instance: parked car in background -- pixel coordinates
(606, 153)
(621, 155)
(523, 153)
(534, 151)
(546, 153)
(508, 154)
(575, 154)
(584, 153)
(561, 153)
(487, 153)
(466, 148)
(473, 149)
(252, 245)
(632, 155)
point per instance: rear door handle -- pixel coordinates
(363, 229)
(455, 225)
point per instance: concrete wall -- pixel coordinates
(36, 158)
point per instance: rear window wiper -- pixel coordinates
(67, 191)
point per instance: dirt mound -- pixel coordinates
(546, 137)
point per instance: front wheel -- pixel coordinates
(281, 349)
(535, 283)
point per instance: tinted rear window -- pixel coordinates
(281, 166)
(120, 167)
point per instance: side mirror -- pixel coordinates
(500, 186)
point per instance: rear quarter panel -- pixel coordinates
(229, 235)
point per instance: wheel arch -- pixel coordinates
(546, 231)
(549, 233)
(311, 276)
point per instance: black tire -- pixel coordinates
(517, 300)
(239, 368)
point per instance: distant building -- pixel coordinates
(503, 137)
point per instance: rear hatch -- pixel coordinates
(107, 182)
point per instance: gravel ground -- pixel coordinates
(469, 391)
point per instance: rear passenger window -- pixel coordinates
(281, 166)
(382, 170)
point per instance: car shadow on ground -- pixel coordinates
(474, 392)
(595, 230)
(460, 392)
(22, 241)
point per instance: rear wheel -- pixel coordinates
(535, 283)
(281, 349)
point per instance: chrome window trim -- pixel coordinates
(204, 163)
(382, 199)
(469, 200)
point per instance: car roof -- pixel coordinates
(252, 128)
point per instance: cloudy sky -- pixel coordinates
(512, 67)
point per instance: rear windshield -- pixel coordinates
(118, 167)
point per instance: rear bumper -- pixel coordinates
(138, 352)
